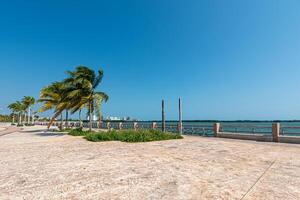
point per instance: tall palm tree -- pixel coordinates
(28, 102)
(34, 116)
(98, 104)
(18, 108)
(81, 90)
(74, 93)
(52, 97)
(13, 109)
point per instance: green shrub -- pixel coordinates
(76, 132)
(131, 136)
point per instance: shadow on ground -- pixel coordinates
(46, 134)
(42, 132)
(33, 131)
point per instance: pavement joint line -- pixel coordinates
(259, 178)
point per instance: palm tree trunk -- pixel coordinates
(61, 122)
(80, 121)
(32, 119)
(20, 118)
(13, 118)
(24, 120)
(90, 116)
(28, 116)
(67, 119)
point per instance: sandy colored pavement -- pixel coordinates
(39, 165)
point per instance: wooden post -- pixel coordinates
(108, 125)
(163, 122)
(135, 125)
(275, 132)
(153, 125)
(180, 117)
(216, 129)
(120, 126)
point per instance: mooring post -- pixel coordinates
(163, 122)
(108, 125)
(120, 126)
(275, 132)
(216, 129)
(180, 117)
(135, 125)
(153, 125)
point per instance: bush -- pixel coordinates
(131, 136)
(20, 125)
(76, 132)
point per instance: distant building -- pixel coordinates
(111, 118)
(95, 118)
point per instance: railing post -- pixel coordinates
(180, 116)
(216, 129)
(163, 122)
(120, 126)
(153, 125)
(275, 132)
(135, 125)
(108, 125)
(179, 128)
(98, 124)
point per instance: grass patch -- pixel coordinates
(77, 132)
(130, 136)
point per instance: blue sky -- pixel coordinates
(226, 59)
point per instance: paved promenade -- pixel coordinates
(39, 165)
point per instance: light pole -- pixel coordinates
(163, 122)
(180, 116)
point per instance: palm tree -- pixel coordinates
(33, 116)
(52, 98)
(28, 102)
(74, 93)
(17, 107)
(81, 90)
(98, 104)
(13, 108)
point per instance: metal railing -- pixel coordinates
(250, 129)
(290, 130)
(187, 128)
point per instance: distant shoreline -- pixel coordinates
(221, 120)
(210, 121)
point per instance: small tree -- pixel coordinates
(28, 102)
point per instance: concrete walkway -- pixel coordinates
(39, 165)
(8, 130)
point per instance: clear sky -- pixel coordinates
(226, 59)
